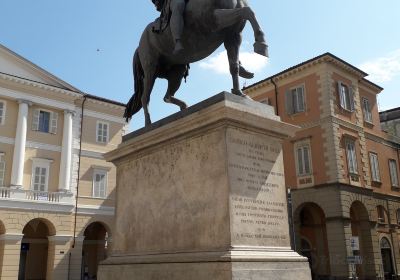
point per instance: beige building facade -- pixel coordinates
(341, 169)
(56, 189)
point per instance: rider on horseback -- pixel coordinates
(172, 14)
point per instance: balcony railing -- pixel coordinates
(31, 195)
(4, 192)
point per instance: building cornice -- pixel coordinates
(12, 94)
(324, 58)
(103, 116)
(35, 84)
(95, 210)
(381, 140)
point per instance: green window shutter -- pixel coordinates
(35, 119)
(53, 122)
(289, 102)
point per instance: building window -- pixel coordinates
(393, 173)
(398, 216)
(351, 156)
(295, 100)
(2, 112)
(99, 183)
(346, 97)
(303, 159)
(45, 121)
(373, 159)
(367, 110)
(102, 132)
(381, 214)
(40, 174)
(2, 169)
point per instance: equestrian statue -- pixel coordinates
(188, 31)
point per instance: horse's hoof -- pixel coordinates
(183, 107)
(261, 48)
(245, 74)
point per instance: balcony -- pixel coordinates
(25, 198)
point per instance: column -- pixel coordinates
(338, 234)
(17, 171)
(10, 250)
(64, 183)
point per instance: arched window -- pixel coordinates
(385, 243)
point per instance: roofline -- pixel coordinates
(90, 96)
(45, 72)
(372, 84)
(390, 110)
(327, 54)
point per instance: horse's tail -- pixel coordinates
(135, 103)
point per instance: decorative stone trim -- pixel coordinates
(11, 237)
(60, 239)
(95, 210)
(31, 83)
(103, 116)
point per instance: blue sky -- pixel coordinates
(89, 43)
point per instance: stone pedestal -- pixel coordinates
(201, 195)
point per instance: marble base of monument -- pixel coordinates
(201, 196)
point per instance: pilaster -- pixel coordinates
(10, 250)
(58, 257)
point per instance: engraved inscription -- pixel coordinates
(258, 199)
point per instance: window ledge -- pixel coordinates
(346, 110)
(368, 123)
(376, 184)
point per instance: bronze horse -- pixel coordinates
(208, 25)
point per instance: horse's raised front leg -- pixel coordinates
(174, 77)
(229, 17)
(232, 45)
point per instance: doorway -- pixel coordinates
(387, 260)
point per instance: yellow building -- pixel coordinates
(56, 190)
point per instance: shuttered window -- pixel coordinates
(295, 100)
(351, 156)
(2, 112)
(45, 121)
(303, 158)
(367, 110)
(346, 97)
(373, 159)
(99, 183)
(40, 179)
(40, 174)
(102, 132)
(393, 173)
(2, 169)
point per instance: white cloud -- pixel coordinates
(219, 62)
(383, 69)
